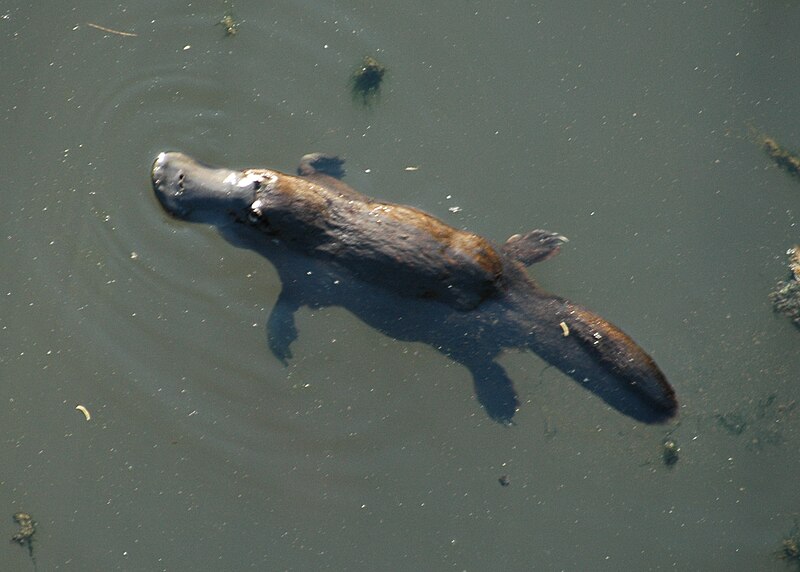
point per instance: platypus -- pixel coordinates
(413, 277)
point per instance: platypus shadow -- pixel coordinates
(413, 278)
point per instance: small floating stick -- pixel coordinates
(111, 31)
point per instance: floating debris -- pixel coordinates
(85, 412)
(366, 81)
(111, 30)
(26, 531)
(230, 25)
(786, 297)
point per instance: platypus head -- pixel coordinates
(190, 190)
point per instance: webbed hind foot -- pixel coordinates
(535, 246)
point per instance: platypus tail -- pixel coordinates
(620, 355)
(596, 354)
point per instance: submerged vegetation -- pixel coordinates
(790, 547)
(783, 157)
(365, 83)
(787, 160)
(761, 420)
(26, 531)
(786, 296)
(670, 452)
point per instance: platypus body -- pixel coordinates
(413, 277)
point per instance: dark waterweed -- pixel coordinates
(786, 296)
(24, 536)
(790, 547)
(365, 84)
(787, 160)
(670, 452)
(760, 421)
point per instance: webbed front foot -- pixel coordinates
(535, 246)
(281, 328)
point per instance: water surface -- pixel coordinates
(628, 128)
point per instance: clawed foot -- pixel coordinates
(535, 246)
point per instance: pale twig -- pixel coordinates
(110, 31)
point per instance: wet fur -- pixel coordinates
(415, 278)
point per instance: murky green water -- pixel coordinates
(625, 127)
